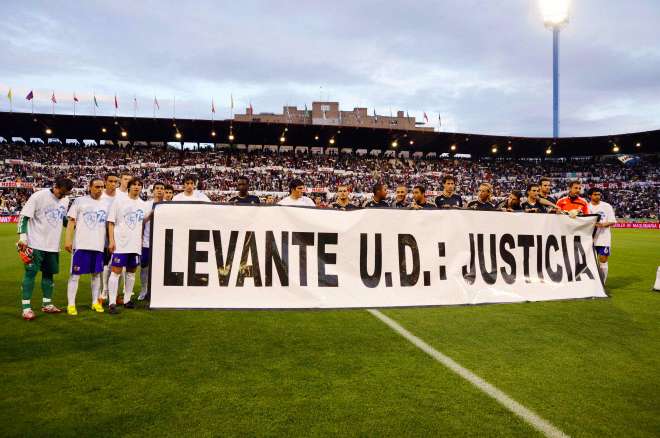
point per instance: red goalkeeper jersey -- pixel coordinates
(567, 204)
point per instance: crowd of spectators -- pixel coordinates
(632, 190)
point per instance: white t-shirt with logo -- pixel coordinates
(46, 214)
(303, 201)
(146, 234)
(90, 216)
(197, 195)
(128, 215)
(603, 236)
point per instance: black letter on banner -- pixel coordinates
(224, 269)
(555, 275)
(470, 276)
(170, 278)
(371, 280)
(245, 270)
(325, 258)
(526, 241)
(304, 240)
(539, 257)
(273, 257)
(490, 277)
(508, 258)
(580, 260)
(194, 256)
(567, 262)
(405, 278)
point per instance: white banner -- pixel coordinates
(221, 256)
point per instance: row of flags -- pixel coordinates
(156, 105)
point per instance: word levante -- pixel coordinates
(491, 257)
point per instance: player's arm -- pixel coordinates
(111, 237)
(68, 236)
(27, 212)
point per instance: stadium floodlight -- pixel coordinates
(395, 143)
(453, 147)
(332, 141)
(231, 137)
(548, 151)
(638, 144)
(124, 133)
(212, 133)
(555, 15)
(508, 148)
(282, 139)
(494, 149)
(615, 148)
(49, 131)
(178, 135)
(104, 130)
(316, 137)
(412, 142)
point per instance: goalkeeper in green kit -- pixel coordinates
(40, 230)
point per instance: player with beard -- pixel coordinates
(400, 196)
(545, 185)
(342, 202)
(419, 199)
(85, 239)
(40, 230)
(379, 199)
(243, 197)
(512, 202)
(483, 201)
(448, 198)
(573, 202)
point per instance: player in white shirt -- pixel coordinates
(85, 239)
(108, 196)
(40, 229)
(125, 234)
(189, 193)
(158, 196)
(603, 237)
(297, 195)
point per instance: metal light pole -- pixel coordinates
(555, 16)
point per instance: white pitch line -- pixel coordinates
(530, 417)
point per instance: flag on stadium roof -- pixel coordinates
(426, 118)
(156, 104)
(75, 98)
(29, 96)
(231, 96)
(116, 102)
(213, 106)
(10, 95)
(96, 103)
(52, 98)
(252, 110)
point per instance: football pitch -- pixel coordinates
(588, 367)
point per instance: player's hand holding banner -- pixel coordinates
(221, 256)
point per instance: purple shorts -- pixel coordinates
(85, 261)
(128, 261)
(603, 250)
(146, 257)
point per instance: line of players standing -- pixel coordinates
(108, 234)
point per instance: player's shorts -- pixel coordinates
(107, 255)
(45, 261)
(128, 261)
(603, 250)
(146, 257)
(85, 261)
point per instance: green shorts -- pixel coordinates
(44, 261)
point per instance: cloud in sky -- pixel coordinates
(484, 66)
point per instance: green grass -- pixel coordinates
(590, 367)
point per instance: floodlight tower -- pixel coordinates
(555, 16)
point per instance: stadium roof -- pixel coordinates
(26, 126)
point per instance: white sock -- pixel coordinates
(144, 279)
(113, 285)
(72, 289)
(96, 287)
(123, 277)
(603, 269)
(128, 286)
(106, 274)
